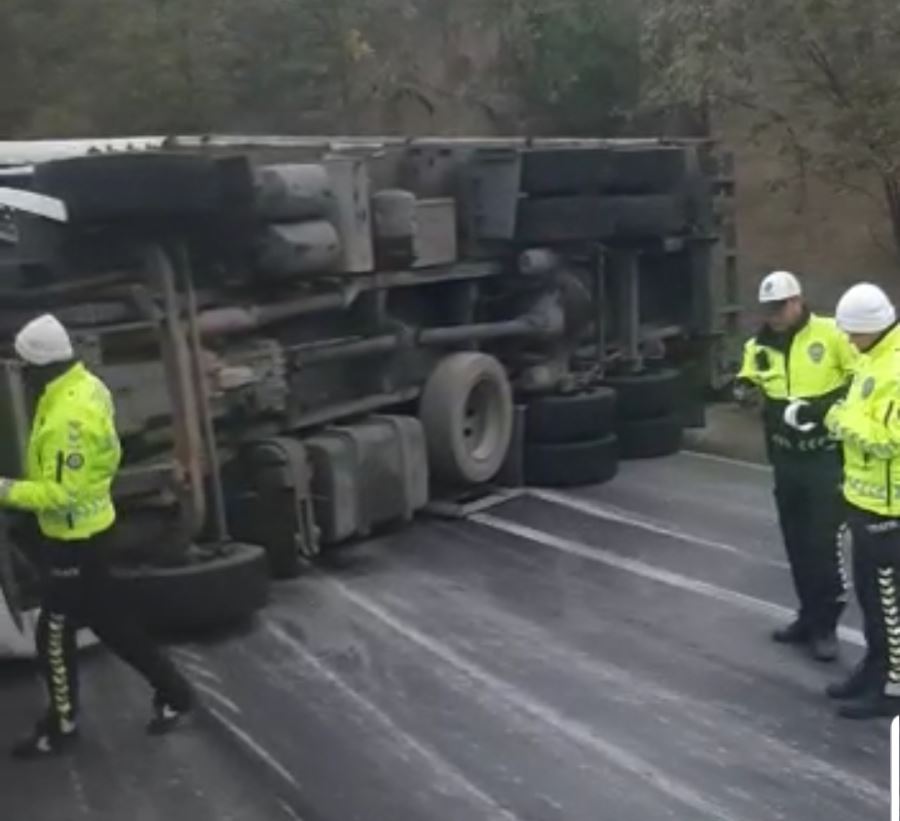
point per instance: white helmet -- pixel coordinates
(44, 341)
(865, 309)
(779, 286)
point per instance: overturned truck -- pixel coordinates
(307, 338)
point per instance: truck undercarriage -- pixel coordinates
(308, 339)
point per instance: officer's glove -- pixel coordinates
(796, 416)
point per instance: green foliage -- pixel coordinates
(578, 62)
(151, 66)
(820, 77)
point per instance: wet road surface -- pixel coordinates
(594, 655)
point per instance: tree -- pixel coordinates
(820, 77)
(573, 65)
(304, 66)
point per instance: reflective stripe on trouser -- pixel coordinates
(890, 608)
(56, 650)
(59, 675)
(876, 575)
(840, 546)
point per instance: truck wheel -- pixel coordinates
(654, 169)
(133, 186)
(467, 413)
(566, 170)
(593, 170)
(572, 464)
(647, 395)
(566, 219)
(569, 219)
(650, 438)
(651, 215)
(575, 418)
(213, 591)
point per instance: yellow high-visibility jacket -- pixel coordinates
(815, 362)
(868, 423)
(73, 456)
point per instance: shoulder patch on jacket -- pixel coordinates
(817, 352)
(868, 387)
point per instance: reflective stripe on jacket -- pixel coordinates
(868, 423)
(73, 456)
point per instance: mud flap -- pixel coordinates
(16, 635)
(274, 507)
(17, 638)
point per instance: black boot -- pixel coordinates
(871, 705)
(859, 683)
(797, 632)
(48, 739)
(824, 646)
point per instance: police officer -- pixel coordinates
(868, 424)
(73, 455)
(802, 364)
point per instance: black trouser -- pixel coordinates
(79, 592)
(811, 511)
(876, 573)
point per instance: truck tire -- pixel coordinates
(573, 418)
(647, 395)
(467, 413)
(546, 172)
(573, 464)
(650, 170)
(650, 438)
(133, 186)
(213, 592)
(652, 215)
(581, 218)
(566, 219)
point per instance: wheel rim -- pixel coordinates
(481, 420)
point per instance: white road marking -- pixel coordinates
(512, 632)
(185, 653)
(616, 514)
(254, 747)
(435, 761)
(647, 571)
(725, 460)
(289, 810)
(512, 696)
(200, 670)
(218, 697)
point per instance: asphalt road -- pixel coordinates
(597, 655)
